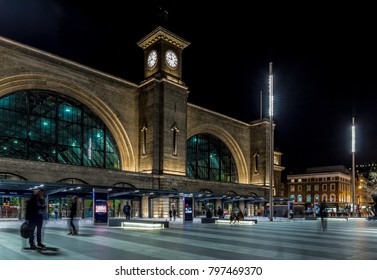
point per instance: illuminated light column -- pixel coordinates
(353, 165)
(271, 113)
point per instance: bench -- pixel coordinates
(137, 223)
(209, 220)
(311, 218)
(242, 222)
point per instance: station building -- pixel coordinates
(72, 130)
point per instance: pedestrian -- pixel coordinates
(219, 212)
(174, 214)
(34, 216)
(323, 214)
(56, 213)
(170, 214)
(72, 215)
(127, 210)
(232, 216)
(209, 213)
(239, 217)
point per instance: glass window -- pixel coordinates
(47, 126)
(208, 158)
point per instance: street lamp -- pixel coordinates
(271, 110)
(353, 165)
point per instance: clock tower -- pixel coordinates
(162, 106)
(163, 54)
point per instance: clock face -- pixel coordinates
(171, 59)
(152, 59)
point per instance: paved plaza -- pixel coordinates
(354, 239)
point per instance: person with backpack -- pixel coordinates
(127, 210)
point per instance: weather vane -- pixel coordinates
(163, 13)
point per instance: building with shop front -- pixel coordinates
(332, 184)
(70, 129)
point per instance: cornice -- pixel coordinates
(161, 33)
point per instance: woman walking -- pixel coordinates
(72, 215)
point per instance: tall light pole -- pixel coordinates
(271, 113)
(353, 165)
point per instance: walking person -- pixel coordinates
(239, 217)
(174, 214)
(56, 213)
(127, 210)
(232, 217)
(170, 214)
(72, 215)
(34, 216)
(323, 214)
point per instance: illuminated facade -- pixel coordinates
(331, 184)
(64, 124)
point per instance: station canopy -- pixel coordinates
(23, 187)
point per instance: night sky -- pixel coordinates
(324, 61)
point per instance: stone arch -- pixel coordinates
(11, 176)
(85, 96)
(124, 185)
(73, 181)
(230, 142)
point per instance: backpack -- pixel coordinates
(126, 209)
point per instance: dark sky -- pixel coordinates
(324, 61)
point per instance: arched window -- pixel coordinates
(47, 126)
(299, 198)
(208, 158)
(10, 176)
(308, 198)
(73, 181)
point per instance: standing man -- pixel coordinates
(127, 210)
(34, 216)
(219, 212)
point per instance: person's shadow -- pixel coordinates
(48, 251)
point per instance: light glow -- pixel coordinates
(353, 138)
(271, 96)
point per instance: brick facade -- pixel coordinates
(158, 104)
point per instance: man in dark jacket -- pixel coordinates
(34, 216)
(72, 215)
(127, 210)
